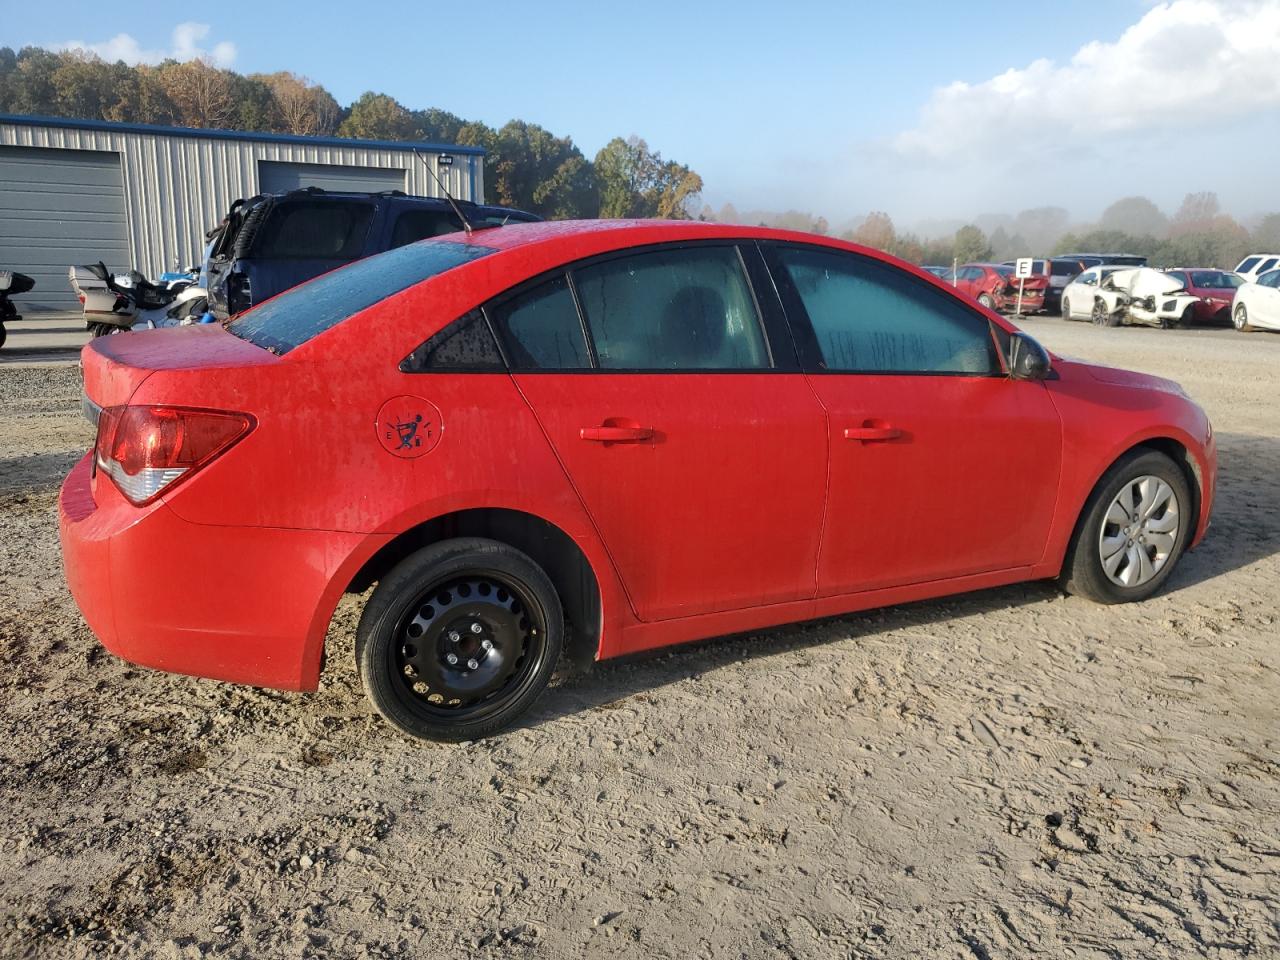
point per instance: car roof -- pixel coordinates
(397, 196)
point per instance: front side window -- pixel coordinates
(672, 309)
(540, 328)
(314, 230)
(1271, 279)
(869, 317)
(295, 316)
(1089, 278)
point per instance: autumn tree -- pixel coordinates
(301, 107)
(200, 92)
(875, 231)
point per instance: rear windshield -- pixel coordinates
(314, 230)
(297, 315)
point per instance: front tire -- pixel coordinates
(459, 639)
(1240, 317)
(987, 302)
(1132, 531)
(1066, 309)
(1100, 316)
(105, 329)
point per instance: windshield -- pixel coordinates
(1004, 271)
(1214, 279)
(297, 315)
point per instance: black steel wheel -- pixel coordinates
(459, 639)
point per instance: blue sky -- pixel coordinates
(835, 107)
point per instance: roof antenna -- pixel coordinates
(466, 224)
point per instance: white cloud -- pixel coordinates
(186, 43)
(1182, 64)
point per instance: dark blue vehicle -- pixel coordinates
(270, 243)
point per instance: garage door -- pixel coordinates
(277, 177)
(58, 208)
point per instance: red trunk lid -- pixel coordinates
(115, 366)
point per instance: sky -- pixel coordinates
(928, 111)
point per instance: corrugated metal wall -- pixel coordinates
(176, 186)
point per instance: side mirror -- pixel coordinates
(1027, 359)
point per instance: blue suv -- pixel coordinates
(272, 242)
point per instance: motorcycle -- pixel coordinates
(11, 283)
(119, 303)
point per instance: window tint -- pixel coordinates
(419, 224)
(465, 344)
(1178, 276)
(307, 230)
(297, 315)
(687, 309)
(870, 317)
(1064, 268)
(1247, 264)
(1267, 264)
(1271, 279)
(540, 328)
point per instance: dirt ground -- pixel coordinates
(1011, 773)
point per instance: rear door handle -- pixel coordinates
(617, 434)
(867, 434)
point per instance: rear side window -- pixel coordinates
(541, 330)
(297, 315)
(419, 224)
(1268, 264)
(673, 309)
(869, 317)
(1247, 264)
(1064, 268)
(311, 230)
(465, 345)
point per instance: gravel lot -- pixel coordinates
(1011, 773)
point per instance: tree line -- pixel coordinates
(526, 166)
(1199, 233)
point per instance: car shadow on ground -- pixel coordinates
(36, 472)
(1245, 529)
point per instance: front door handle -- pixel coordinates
(869, 434)
(617, 434)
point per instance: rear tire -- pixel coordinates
(105, 329)
(1111, 539)
(459, 639)
(1240, 317)
(1066, 309)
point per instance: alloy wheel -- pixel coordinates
(1139, 531)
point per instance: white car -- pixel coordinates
(1256, 264)
(1114, 295)
(1257, 304)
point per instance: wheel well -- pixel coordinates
(1176, 452)
(546, 544)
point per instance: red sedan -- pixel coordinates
(1216, 290)
(995, 287)
(602, 437)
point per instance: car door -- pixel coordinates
(694, 441)
(941, 466)
(1079, 293)
(1267, 297)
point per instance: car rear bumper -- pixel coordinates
(230, 603)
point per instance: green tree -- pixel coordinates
(1135, 215)
(376, 116)
(636, 182)
(971, 245)
(438, 126)
(30, 84)
(528, 167)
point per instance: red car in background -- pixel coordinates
(995, 287)
(1215, 288)
(603, 437)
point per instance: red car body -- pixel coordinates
(996, 282)
(688, 504)
(1215, 288)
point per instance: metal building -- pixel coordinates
(132, 195)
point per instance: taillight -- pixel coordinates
(146, 449)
